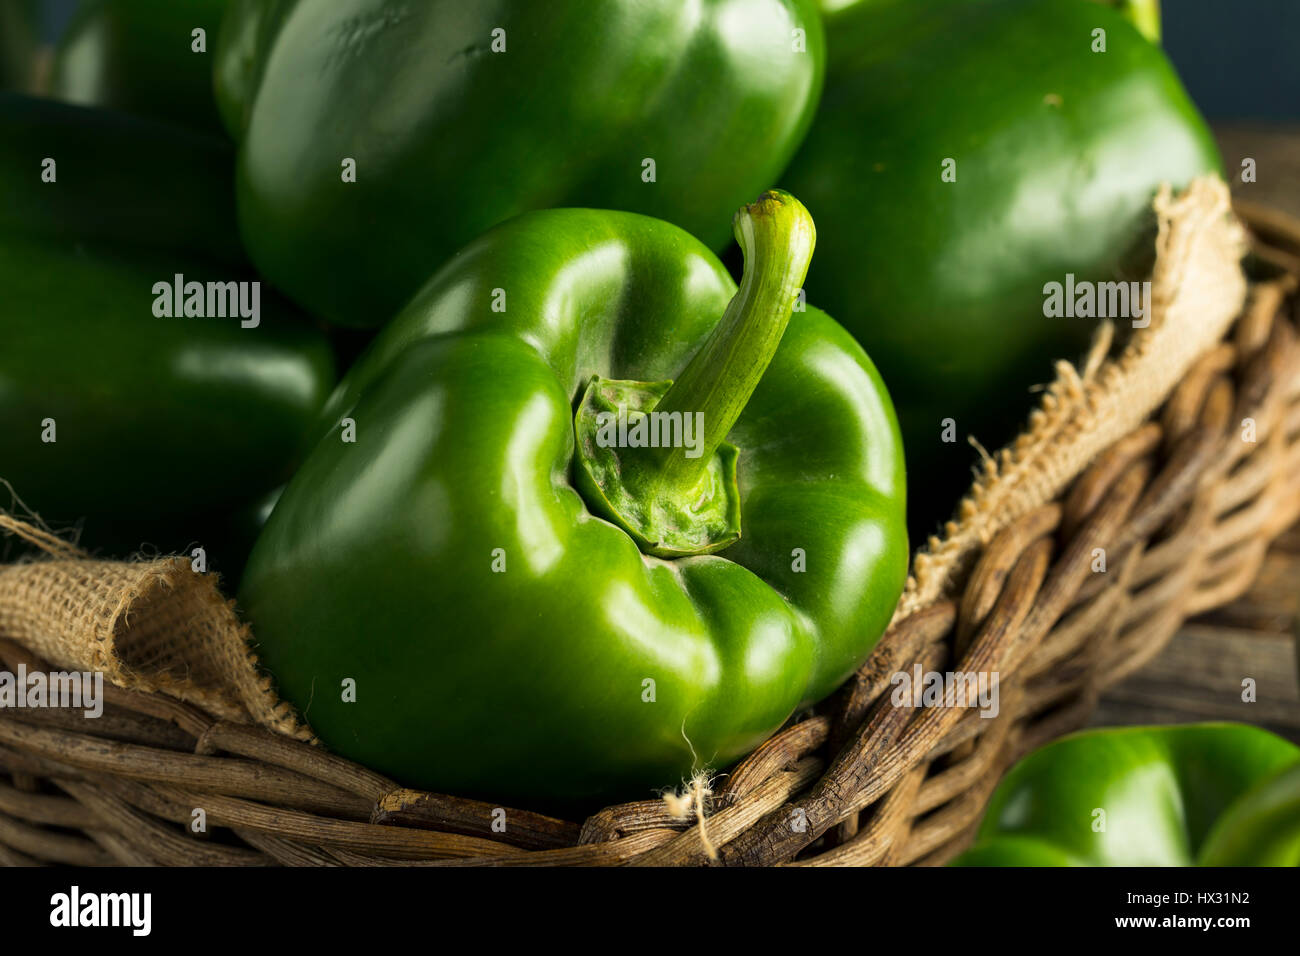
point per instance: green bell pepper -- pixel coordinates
(966, 152)
(459, 116)
(143, 57)
(110, 411)
(1199, 794)
(533, 608)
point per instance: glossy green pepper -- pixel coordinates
(531, 608)
(458, 116)
(109, 410)
(1197, 794)
(142, 56)
(966, 153)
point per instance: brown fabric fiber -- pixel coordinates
(153, 626)
(159, 626)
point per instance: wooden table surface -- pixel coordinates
(1200, 674)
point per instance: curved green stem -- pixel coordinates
(777, 236)
(652, 457)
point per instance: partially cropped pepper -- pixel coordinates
(966, 153)
(483, 581)
(144, 379)
(1191, 795)
(148, 57)
(379, 136)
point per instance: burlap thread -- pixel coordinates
(152, 626)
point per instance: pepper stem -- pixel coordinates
(776, 235)
(673, 486)
(1143, 14)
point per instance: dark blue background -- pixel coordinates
(1240, 59)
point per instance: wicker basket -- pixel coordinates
(1183, 507)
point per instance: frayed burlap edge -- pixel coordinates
(150, 626)
(1197, 290)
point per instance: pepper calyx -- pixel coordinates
(616, 424)
(652, 456)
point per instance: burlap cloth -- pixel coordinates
(156, 625)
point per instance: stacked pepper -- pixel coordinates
(965, 153)
(393, 133)
(148, 57)
(120, 407)
(1204, 795)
